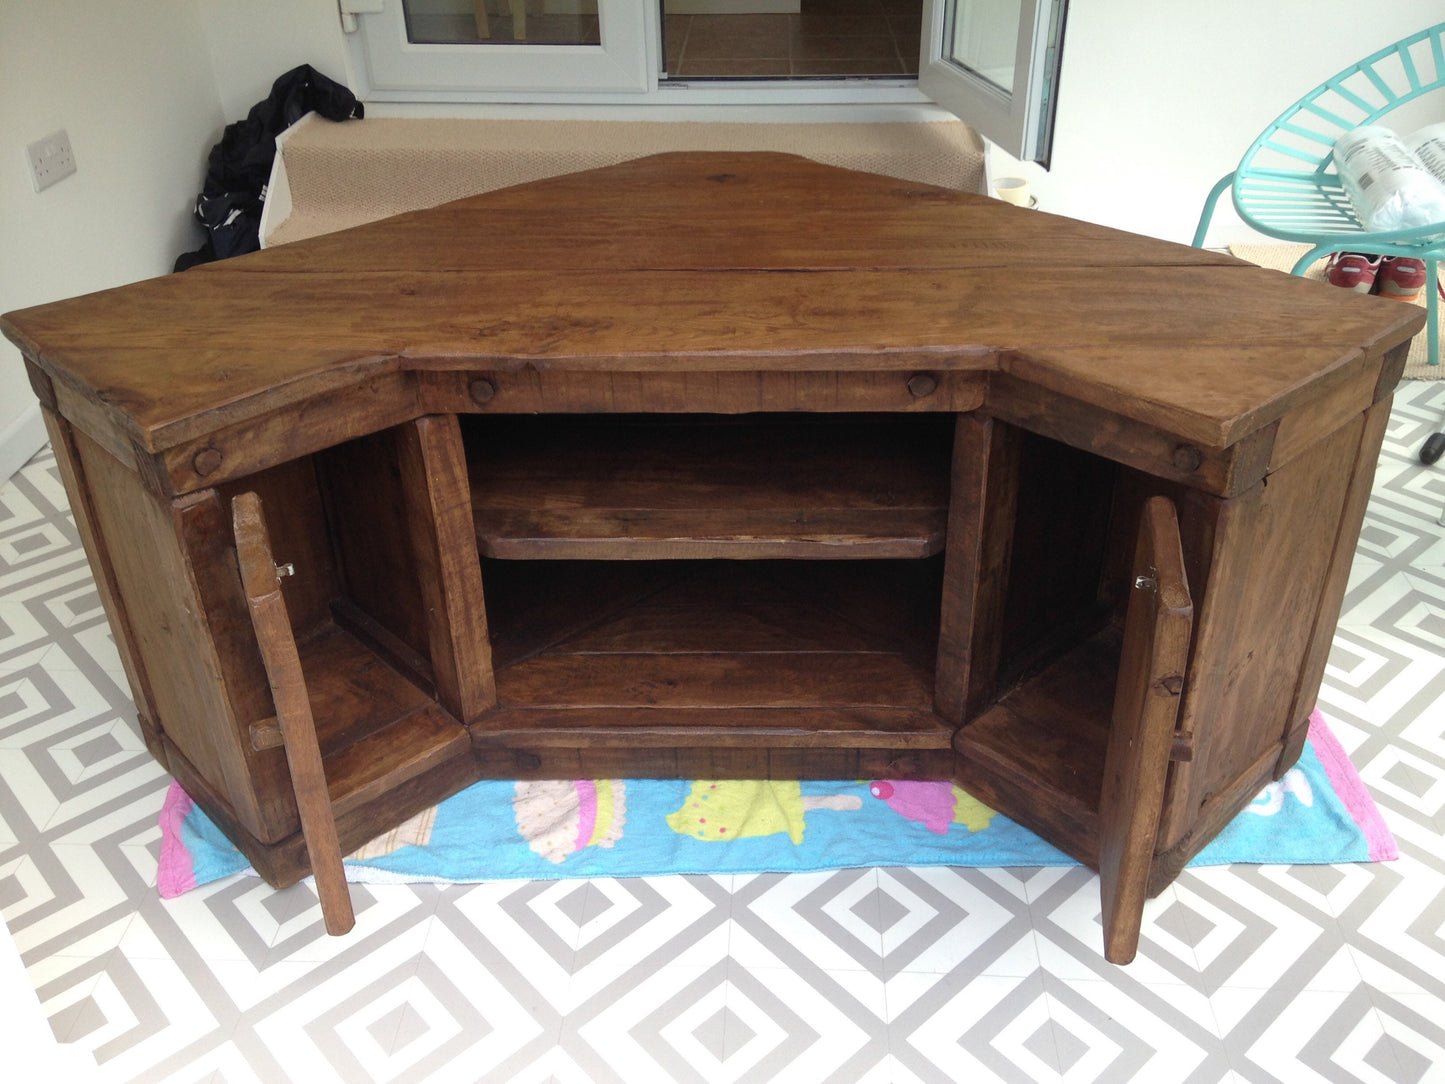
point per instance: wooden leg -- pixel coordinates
(261, 580)
(479, 12)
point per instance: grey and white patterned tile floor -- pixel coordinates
(893, 975)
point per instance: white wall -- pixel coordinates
(132, 85)
(251, 43)
(1159, 100)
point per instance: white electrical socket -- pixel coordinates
(50, 159)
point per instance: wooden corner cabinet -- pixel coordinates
(723, 466)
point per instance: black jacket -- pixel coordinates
(239, 166)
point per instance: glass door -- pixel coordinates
(431, 49)
(995, 64)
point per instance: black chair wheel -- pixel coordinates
(1433, 448)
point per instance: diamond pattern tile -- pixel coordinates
(1245, 974)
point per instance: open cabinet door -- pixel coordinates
(995, 64)
(1146, 706)
(296, 729)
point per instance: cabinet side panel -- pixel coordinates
(1347, 537)
(981, 508)
(439, 519)
(1274, 547)
(156, 586)
(72, 474)
(366, 505)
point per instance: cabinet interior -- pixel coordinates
(764, 590)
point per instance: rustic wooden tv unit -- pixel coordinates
(723, 466)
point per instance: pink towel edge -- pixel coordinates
(1351, 790)
(176, 875)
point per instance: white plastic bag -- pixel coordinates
(1428, 145)
(1390, 188)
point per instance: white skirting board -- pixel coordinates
(20, 440)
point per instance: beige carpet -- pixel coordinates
(342, 175)
(1283, 257)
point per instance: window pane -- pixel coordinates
(501, 22)
(985, 37)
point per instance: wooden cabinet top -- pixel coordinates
(704, 263)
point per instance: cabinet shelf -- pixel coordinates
(1037, 755)
(738, 659)
(375, 728)
(754, 488)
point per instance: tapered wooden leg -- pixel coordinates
(262, 582)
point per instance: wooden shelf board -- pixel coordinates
(790, 728)
(598, 490)
(800, 679)
(375, 728)
(1049, 734)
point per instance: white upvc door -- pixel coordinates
(995, 64)
(418, 66)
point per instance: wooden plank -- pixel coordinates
(1055, 595)
(380, 762)
(629, 225)
(77, 491)
(707, 321)
(1050, 731)
(662, 491)
(1332, 593)
(1256, 622)
(818, 382)
(976, 566)
(986, 766)
(867, 460)
(1127, 440)
(204, 522)
(718, 727)
(1302, 429)
(641, 534)
(259, 575)
(319, 422)
(1146, 704)
(366, 501)
(774, 679)
(685, 762)
(533, 605)
(681, 626)
(353, 693)
(439, 517)
(155, 581)
(296, 522)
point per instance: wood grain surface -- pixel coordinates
(713, 262)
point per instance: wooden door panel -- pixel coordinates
(261, 580)
(1146, 707)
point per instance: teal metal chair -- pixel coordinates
(1286, 186)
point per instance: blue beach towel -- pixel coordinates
(1319, 812)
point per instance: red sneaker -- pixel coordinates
(1401, 278)
(1353, 270)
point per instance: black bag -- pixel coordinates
(239, 166)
